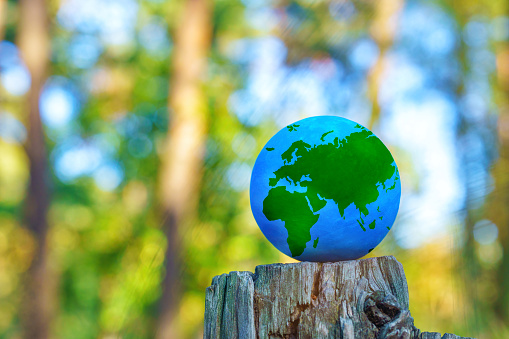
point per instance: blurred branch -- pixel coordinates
(33, 42)
(182, 161)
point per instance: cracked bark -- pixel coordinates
(350, 299)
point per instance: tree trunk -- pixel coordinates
(383, 29)
(350, 299)
(3, 18)
(499, 200)
(33, 42)
(182, 161)
(467, 263)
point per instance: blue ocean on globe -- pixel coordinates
(325, 189)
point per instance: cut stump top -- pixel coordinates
(365, 298)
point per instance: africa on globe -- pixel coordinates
(325, 189)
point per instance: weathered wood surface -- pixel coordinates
(350, 299)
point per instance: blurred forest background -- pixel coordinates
(129, 128)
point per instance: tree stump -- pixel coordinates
(351, 299)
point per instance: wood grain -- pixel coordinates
(350, 299)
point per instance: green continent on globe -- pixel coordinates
(292, 208)
(346, 171)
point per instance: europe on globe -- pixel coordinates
(325, 189)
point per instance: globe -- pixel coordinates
(325, 189)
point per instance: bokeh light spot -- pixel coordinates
(108, 176)
(238, 175)
(15, 79)
(11, 129)
(58, 103)
(485, 232)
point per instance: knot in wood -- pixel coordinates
(381, 307)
